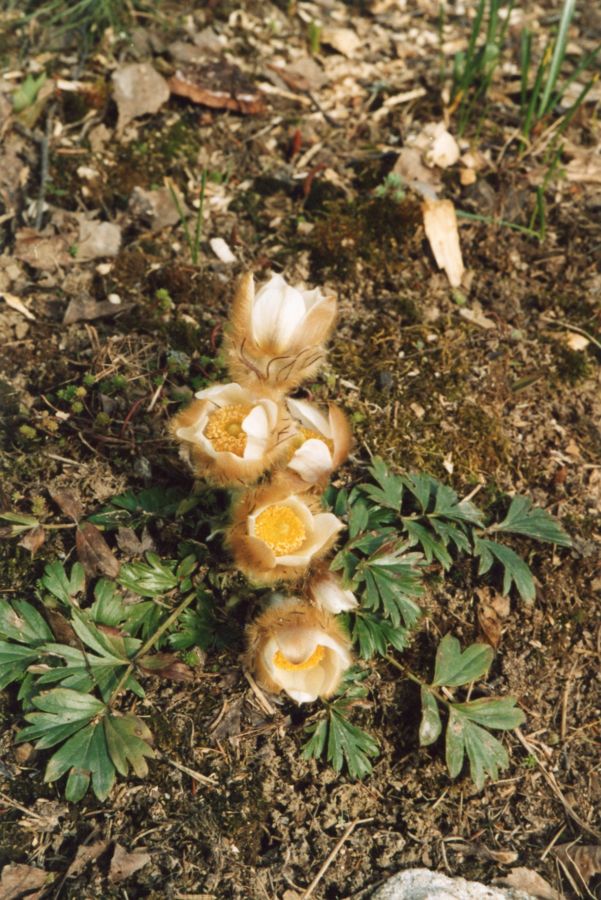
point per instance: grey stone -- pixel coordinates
(422, 884)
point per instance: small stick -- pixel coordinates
(197, 776)
(332, 856)
(44, 156)
(263, 701)
(571, 327)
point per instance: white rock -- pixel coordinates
(422, 884)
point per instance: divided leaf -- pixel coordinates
(485, 753)
(344, 744)
(454, 668)
(524, 518)
(515, 570)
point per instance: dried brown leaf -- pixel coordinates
(130, 544)
(124, 864)
(582, 861)
(94, 553)
(84, 309)
(33, 540)
(61, 628)
(166, 665)
(41, 251)
(139, 90)
(67, 502)
(85, 854)
(20, 880)
(529, 881)
(220, 86)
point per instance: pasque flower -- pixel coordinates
(231, 434)
(276, 335)
(298, 649)
(320, 443)
(277, 534)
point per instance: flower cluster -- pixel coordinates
(281, 451)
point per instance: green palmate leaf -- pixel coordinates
(316, 744)
(515, 570)
(85, 752)
(451, 534)
(523, 518)
(81, 671)
(150, 579)
(63, 712)
(15, 659)
(127, 738)
(493, 712)
(108, 607)
(448, 506)
(421, 486)
(349, 744)
(430, 725)
(389, 492)
(20, 621)
(454, 668)
(485, 753)
(64, 588)
(358, 518)
(196, 627)
(373, 635)
(433, 549)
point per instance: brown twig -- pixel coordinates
(332, 856)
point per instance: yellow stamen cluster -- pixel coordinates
(314, 660)
(281, 529)
(224, 429)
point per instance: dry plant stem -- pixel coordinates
(552, 782)
(16, 805)
(332, 856)
(44, 154)
(149, 645)
(192, 773)
(571, 327)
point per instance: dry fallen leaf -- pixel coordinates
(67, 502)
(17, 304)
(85, 854)
(219, 85)
(124, 864)
(440, 223)
(344, 40)
(84, 309)
(155, 208)
(166, 665)
(19, 880)
(583, 862)
(41, 250)
(130, 544)
(529, 881)
(492, 608)
(61, 627)
(139, 90)
(33, 540)
(94, 553)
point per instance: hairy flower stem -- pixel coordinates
(152, 640)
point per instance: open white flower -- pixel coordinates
(321, 443)
(328, 594)
(277, 534)
(276, 335)
(229, 434)
(298, 649)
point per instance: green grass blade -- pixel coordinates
(559, 52)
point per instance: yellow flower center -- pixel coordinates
(314, 660)
(224, 428)
(281, 529)
(307, 434)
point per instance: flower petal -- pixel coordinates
(312, 460)
(256, 427)
(310, 416)
(277, 311)
(329, 594)
(226, 394)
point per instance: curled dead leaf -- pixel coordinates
(20, 880)
(85, 854)
(33, 540)
(220, 86)
(166, 665)
(529, 881)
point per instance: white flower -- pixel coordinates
(277, 534)
(276, 336)
(295, 648)
(230, 434)
(327, 592)
(321, 442)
